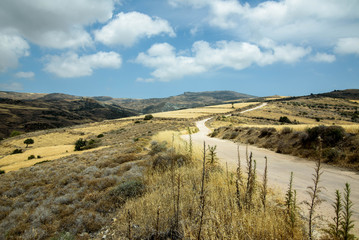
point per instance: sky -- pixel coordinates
(160, 48)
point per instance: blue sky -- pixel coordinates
(143, 49)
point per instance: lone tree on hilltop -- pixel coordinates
(29, 141)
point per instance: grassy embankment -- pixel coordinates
(175, 206)
(334, 120)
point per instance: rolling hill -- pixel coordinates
(26, 112)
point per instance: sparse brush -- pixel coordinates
(314, 192)
(239, 180)
(347, 224)
(202, 197)
(333, 230)
(190, 144)
(265, 182)
(251, 182)
(212, 155)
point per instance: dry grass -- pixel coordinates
(79, 193)
(155, 213)
(194, 113)
(49, 146)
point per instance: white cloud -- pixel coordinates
(56, 24)
(319, 22)
(14, 86)
(347, 46)
(127, 28)
(170, 65)
(11, 49)
(70, 65)
(24, 74)
(323, 57)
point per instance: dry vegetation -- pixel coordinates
(309, 118)
(196, 113)
(174, 205)
(76, 195)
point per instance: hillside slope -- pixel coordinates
(47, 113)
(185, 100)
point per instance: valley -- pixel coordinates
(134, 167)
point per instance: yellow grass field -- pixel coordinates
(199, 112)
(51, 146)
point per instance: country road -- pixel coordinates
(279, 168)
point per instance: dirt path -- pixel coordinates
(279, 168)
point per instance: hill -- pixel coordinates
(26, 112)
(49, 112)
(351, 94)
(185, 100)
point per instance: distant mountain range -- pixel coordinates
(27, 112)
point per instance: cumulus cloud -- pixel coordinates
(170, 65)
(56, 24)
(14, 86)
(24, 74)
(323, 57)
(11, 49)
(126, 28)
(321, 22)
(347, 46)
(71, 65)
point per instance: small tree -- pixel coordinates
(29, 141)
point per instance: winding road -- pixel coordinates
(279, 168)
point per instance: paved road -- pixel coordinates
(279, 168)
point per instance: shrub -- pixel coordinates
(31, 157)
(80, 144)
(331, 154)
(330, 135)
(29, 141)
(158, 147)
(127, 190)
(137, 121)
(148, 117)
(2, 171)
(266, 132)
(284, 119)
(100, 135)
(16, 151)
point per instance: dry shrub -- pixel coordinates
(154, 214)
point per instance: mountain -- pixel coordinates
(28, 112)
(185, 100)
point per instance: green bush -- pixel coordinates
(330, 135)
(127, 190)
(148, 117)
(100, 135)
(284, 119)
(80, 144)
(2, 171)
(16, 151)
(31, 157)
